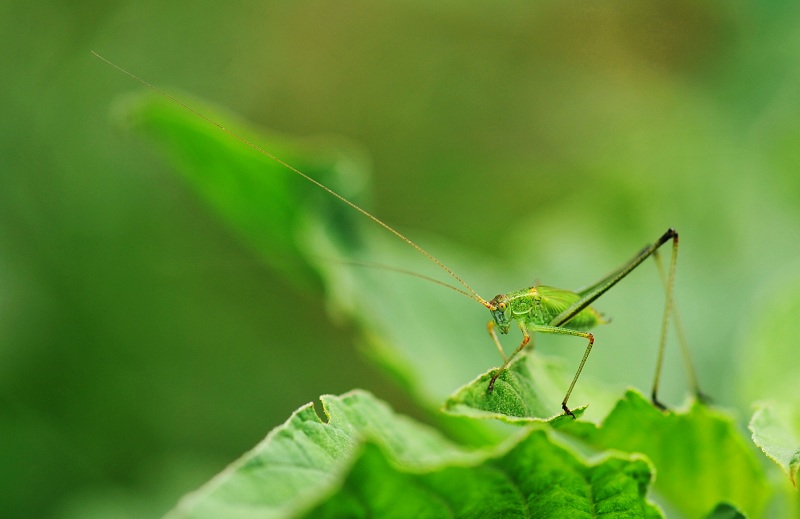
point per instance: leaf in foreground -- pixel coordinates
(776, 431)
(700, 457)
(366, 461)
(535, 479)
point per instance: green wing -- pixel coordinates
(555, 300)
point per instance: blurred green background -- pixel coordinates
(143, 347)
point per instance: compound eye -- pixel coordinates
(501, 306)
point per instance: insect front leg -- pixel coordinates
(496, 339)
(526, 338)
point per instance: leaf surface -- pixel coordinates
(367, 461)
(537, 478)
(530, 390)
(700, 456)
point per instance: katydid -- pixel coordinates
(539, 308)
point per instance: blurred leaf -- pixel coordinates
(367, 461)
(530, 390)
(776, 431)
(700, 456)
(415, 329)
(260, 199)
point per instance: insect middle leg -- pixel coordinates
(566, 331)
(547, 329)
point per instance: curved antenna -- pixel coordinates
(472, 294)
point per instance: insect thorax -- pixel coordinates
(541, 304)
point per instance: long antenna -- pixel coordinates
(472, 294)
(407, 273)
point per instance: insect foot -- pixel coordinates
(703, 398)
(566, 410)
(490, 387)
(657, 403)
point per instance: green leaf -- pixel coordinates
(776, 431)
(257, 197)
(305, 458)
(537, 478)
(367, 461)
(530, 390)
(700, 456)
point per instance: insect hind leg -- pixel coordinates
(671, 312)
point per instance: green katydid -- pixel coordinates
(535, 309)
